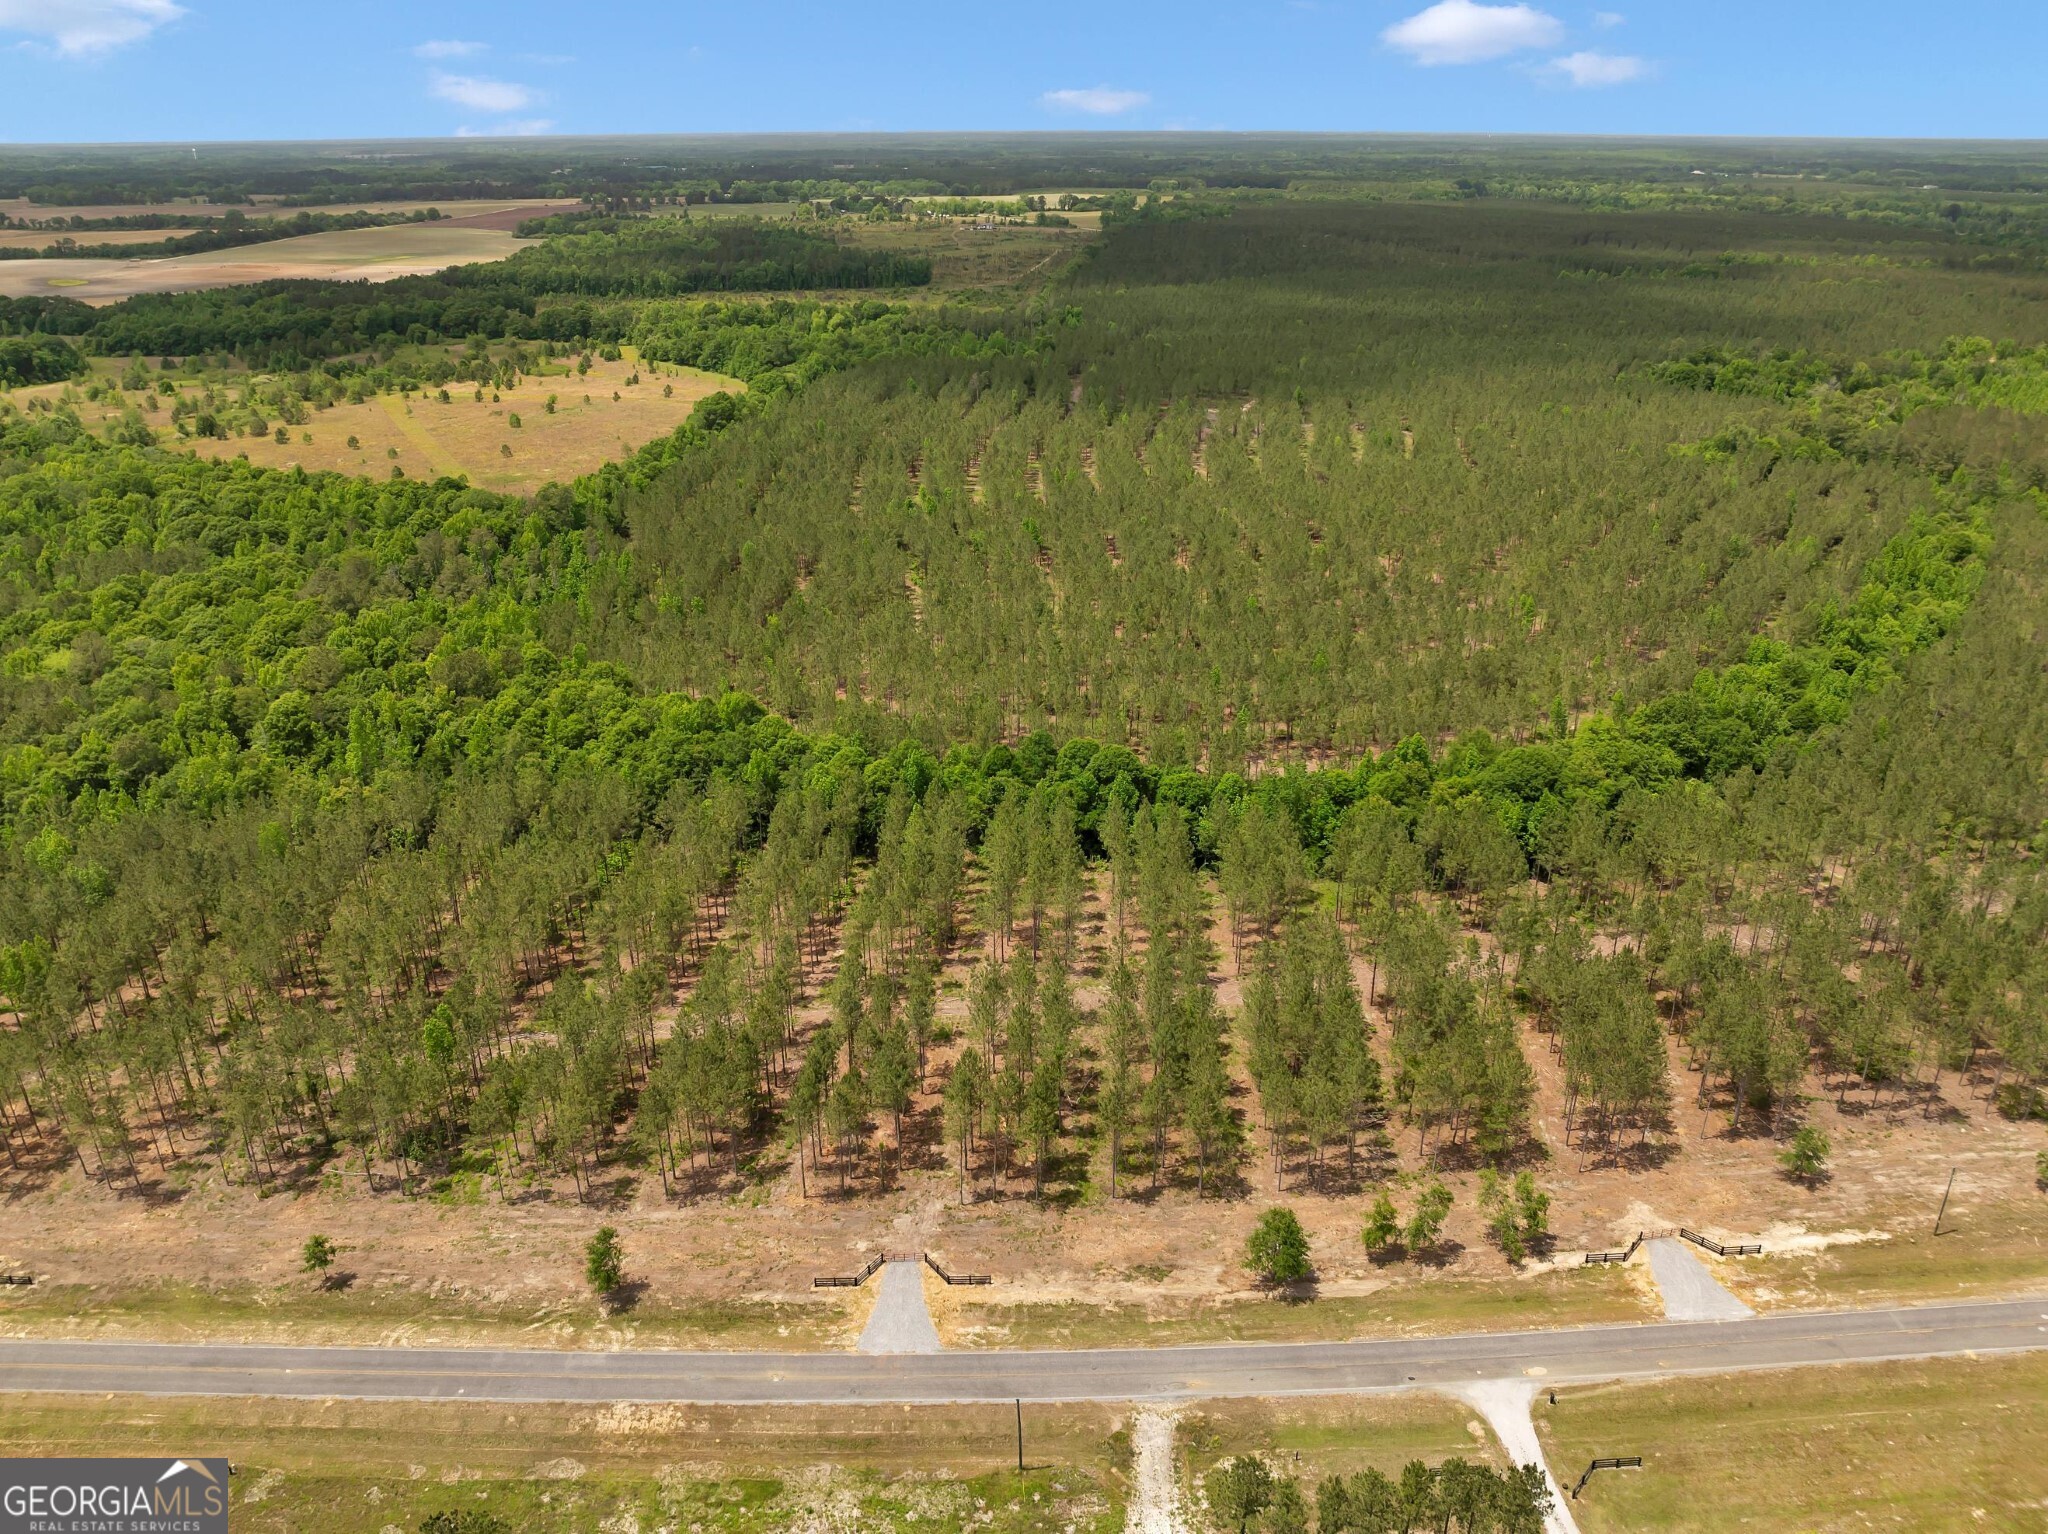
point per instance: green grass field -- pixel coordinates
(1956, 1444)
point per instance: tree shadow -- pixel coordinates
(1298, 1291)
(1439, 1254)
(625, 1297)
(156, 1193)
(613, 1192)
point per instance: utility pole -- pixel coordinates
(1945, 1192)
(1020, 1435)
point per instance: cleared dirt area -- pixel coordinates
(346, 1467)
(1946, 1445)
(598, 416)
(966, 259)
(375, 255)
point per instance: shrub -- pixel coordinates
(1288, 1511)
(317, 1255)
(1518, 1212)
(1119, 1452)
(1278, 1248)
(1239, 1490)
(463, 1520)
(1806, 1158)
(604, 1260)
(1431, 1209)
(1383, 1225)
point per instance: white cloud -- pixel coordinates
(1097, 101)
(1588, 71)
(517, 127)
(1608, 18)
(80, 28)
(447, 48)
(1461, 32)
(481, 95)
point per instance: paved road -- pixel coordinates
(1586, 1353)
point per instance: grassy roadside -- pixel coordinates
(1947, 1444)
(1310, 1437)
(1577, 1297)
(1983, 1252)
(303, 1314)
(339, 1467)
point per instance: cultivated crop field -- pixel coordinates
(374, 255)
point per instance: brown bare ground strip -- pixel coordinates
(1202, 435)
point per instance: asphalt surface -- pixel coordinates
(1119, 1374)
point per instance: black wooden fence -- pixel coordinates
(1626, 1252)
(1625, 1462)
(1748, 1249)
(874, 1264)
(851, 1281)
(956, 1278)
(1745, 1249)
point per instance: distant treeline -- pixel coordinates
(541, 294)
(653, 171)
(227, 233)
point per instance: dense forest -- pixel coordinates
(1653, 594)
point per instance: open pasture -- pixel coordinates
(597, 417)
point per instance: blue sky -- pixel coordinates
(126, 70)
